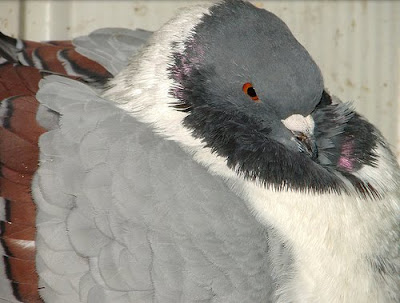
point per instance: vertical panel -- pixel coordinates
(45, 19)
(10, 16)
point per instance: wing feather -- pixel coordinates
(22, 122)
(111, 47)
(151, 222)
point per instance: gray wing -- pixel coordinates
(126, 216)
(111, 47)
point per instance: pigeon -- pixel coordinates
(204, 162)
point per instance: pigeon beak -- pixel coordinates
(307, 144)
(302, 129)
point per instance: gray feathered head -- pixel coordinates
(256, 97)
(246, 88)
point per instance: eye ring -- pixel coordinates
(249, 90)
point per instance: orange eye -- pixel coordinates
(250, 91)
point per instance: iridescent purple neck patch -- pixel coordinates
(346, 159)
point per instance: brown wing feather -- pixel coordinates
(22, 120)
(60, 57)
(20, 213)
(14, 176)
(65, 43)
(19, 151)
(16, 80)
(48, 56)
(16, 153)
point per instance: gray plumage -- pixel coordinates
(138, 214)
(189, 189)
(111, 47)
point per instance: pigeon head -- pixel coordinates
(238, 43)
(254, 95)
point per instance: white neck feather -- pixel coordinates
(330, 235)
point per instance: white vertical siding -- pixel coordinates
(356, 43)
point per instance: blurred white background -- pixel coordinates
(356, 43)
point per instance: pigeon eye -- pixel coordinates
(250, 91)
